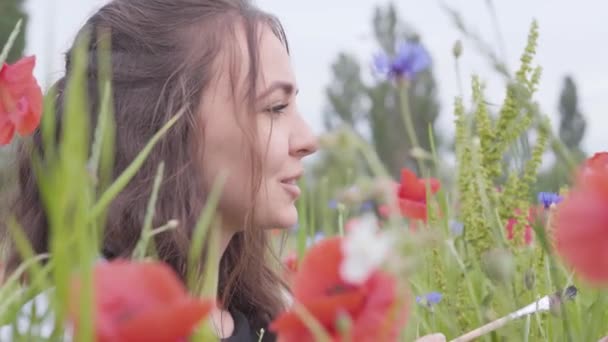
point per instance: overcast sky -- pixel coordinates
(572, 41)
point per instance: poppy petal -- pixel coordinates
(324, 310)
(20, 98)
(434, 185)
(410, 187)
(20, 71)
(594, 175)
(142, 282)
(32, 101)
(412, 209)
(140, 301)
(319, 270)
(7, 132)
(598, 160)
(385, 311)
(165, 324)
(377, 310)
(580, 234)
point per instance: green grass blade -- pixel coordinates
(100, 129)
(9, 43)
(25, 250)
(200, 233)
(131, 170)
(142, 246)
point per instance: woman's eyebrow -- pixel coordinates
(287, 87)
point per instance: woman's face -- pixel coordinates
(282, 137)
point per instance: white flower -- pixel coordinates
(364, 250)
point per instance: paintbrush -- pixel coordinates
(547, 303)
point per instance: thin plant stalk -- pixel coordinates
(406, 115)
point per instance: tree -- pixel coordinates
(572, 122)
(12, 11)
(571, 132)
(373, 108)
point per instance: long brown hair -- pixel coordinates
(163, 55)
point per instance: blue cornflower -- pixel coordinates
(367, 205)
(456, 227)
(549, 198)
(313, 240)
(429, 299)
(294, 228)
(410, 59)
(332, 204)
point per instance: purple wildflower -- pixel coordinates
(549, 198)
(367, 205)
(456, 227)
(294, 228)
(313, 240)
(332, 204)
(410, 59)
(429, 299)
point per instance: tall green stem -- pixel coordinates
(406, 115)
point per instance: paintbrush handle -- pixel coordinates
(542, 304)
(483, 329)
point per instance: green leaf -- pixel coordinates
(142, 246)
(9, 43)
(14, 296)
(199, 235)
(124, 178)
(26, 251)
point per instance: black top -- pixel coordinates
(244, 333)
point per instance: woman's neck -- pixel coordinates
(225, 237)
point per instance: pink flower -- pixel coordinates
(20, 100)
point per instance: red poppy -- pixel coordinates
(581, 223)
(20, 99)
(375, 308)
(141, 302)
(597, 161)
(412, 194)
(592, 174)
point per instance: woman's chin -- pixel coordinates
(284, 218)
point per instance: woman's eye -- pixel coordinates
(278, 109)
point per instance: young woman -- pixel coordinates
(226, 63)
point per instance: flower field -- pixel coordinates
(468, 250)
